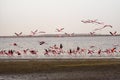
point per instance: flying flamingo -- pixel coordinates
(90, 51)
(103, 27)
(113, 50)
(18, 53)
(86, 21)
(61, 46)
(10, 52)
(108, 26)
(92, 21)
(18, 34)
(99, 52)
(100, 23)
(92, 33)
(41, 42)
(70, 51)
(46, 52)
(113, 34)
(33, 52)
(34, 32)
(60, 30)
(25, 50)
(72, 34)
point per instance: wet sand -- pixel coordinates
(81, 69)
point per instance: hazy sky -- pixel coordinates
(47, 15)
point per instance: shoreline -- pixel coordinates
(61, 35)
(59, 59)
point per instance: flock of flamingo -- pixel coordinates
(35, 32)
(100, 23)
(59, 50)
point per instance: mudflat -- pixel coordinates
(60, 69)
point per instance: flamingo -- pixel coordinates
(18, 52)
(70, 51)
(103, 27)
(86, 21)
(61, 46)
(34, 32)
(92, 33)
(25, 50)
(46, 52)
(113, 50)
(99, 51)
(18, 34)
(113, 34)
(60, 30)
(10, 52)
(90, 51)
(42, 42)
(78, 50)
(15, 44)
(100, 23)
(33, 52)
(108, 26)
(72, 34)
(92, 21)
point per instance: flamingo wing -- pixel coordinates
(16, 34)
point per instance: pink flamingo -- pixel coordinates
(72, 34)
(18, 53)
(101, 23)
(99, 52)
(103, 27)
(113, 34)
(15, 44)
(34, 32)
(25, 50)
(91, 21)
(60, 30)
(108, 26)
(10, 52)
(90, 51)
(92, 33)
(42, 42)
(33, 52)
(46, 52)
(113, 50)
(78, 50)
(18, 34)
(70, 51)
(86, 21)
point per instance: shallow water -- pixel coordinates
(99, 42)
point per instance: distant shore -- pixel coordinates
(60, 35)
